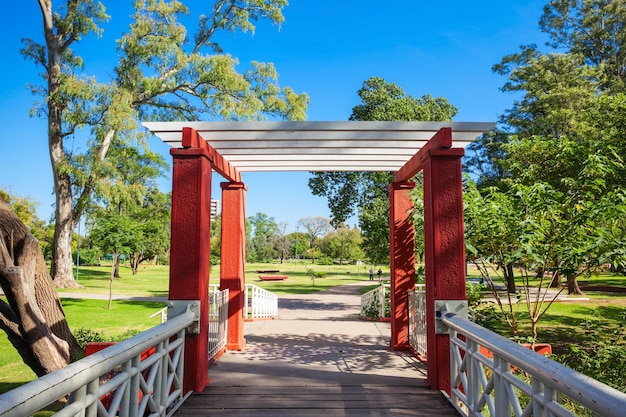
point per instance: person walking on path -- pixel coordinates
(371, 274)
(380, 274)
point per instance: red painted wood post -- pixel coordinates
(190, 249)
(232, 268)
(402, 261)
(444, 251)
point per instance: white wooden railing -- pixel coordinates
(494, 376)
(417, 319)
(260, 303)
(373, 302)
(218, 321)
(141, 376)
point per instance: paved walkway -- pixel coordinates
(317, 359)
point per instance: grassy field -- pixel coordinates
(124, 316)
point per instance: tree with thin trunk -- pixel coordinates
(164, 73)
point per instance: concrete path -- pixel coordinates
(317, 359)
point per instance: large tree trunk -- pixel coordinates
(556, 281)
(572, 286)
(510, 278)
(33, 317)
(61, 267)
(116, 266)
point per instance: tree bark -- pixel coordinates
(556, 282)
(510, 279)
(61, 268)
(572, 286)
(33, 318)
(116, 266)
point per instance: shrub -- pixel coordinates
(325, 260)
(603, 358)
(474, 295)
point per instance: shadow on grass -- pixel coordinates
(8, 386)
(88, 302)
(157, 293)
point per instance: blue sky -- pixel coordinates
(324, 48)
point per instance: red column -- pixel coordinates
(190, 252)
(232, 267)
(444, 251)
(402, 261)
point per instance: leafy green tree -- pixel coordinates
(152, 220)
(299, 244)
(265, 232)
(216, 240)
(115, 233)
(165, 71)
(131, 191)
(485, 159)
(538, 227)
(565, 133)
(592, 29)
(344, 244)
(587, 59)
(556, 87)
(26, 210)
(365, 193)
(375, 223)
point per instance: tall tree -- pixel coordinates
(564, 133)
(593, 29)
(365, 193)
(265, 232)
(314, 227)
(152, 219)
(282, 243)
(344, 243)
(131, 181)
(165, 72)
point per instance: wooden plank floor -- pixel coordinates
(318, 360)
(317, 401)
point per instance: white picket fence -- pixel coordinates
(260, 303)
(218, 320)
(374, 299)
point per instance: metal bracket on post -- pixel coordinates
(458, 307)
(178, 307)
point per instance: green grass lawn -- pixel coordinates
(300, 282)
(150, 281)
(124, 316)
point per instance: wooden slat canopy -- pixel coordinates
(318, 146)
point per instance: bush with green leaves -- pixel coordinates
(325, 260)
(474, 294)
(602, 357)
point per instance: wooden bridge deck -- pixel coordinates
(317, 360)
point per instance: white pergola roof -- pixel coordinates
(318, 146)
